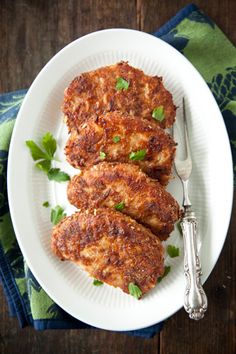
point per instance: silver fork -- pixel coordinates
(195, 300)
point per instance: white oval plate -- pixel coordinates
(211, 186)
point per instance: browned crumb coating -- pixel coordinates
(99, 134)
(144, 199)
(118, 247)
(95, 92)
(111, 247)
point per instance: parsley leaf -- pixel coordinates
(121, 84)
(134, 290)
(49, 144)
(35, 150)
(179, 227)
(97, 282)
(46, 204)
(138, 155)
(116, 139)
(57, 214)
(120, 206)
(44, 165)
(44, 158)
(55, 174)
(166, 271)
(172, 251)
(102, 155)
(158, 113)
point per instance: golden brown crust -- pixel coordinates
(95, 92)
(110, 246)
(106, 185)
(97, 134)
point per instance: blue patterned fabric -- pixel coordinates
(201, 41)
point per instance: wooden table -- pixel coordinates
(31, 33)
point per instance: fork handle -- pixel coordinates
(195, 300)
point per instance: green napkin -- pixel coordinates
(200, 40)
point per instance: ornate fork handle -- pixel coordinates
(195, 300)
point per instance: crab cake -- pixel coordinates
(118, 87)
(111, 247)
(126, 188)
(120, 137)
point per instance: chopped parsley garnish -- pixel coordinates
(44, 155)
(179, 227)
(158, 113)
(49, 144)
(134, 290)
(44, 165)
(35, 151)
(102, 155)
(166, 271)
(116, 139)
(46, 204)
(55, 174)
(57, 214)
(172, 251)
(120, 206)
(97, 282)
(121, 84)
(138, 155)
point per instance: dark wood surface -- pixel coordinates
(31, 33)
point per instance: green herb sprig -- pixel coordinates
(44, 155)
(158, 113)
(57, 214)
(116, 139)
(179, 228)
(134, 290)
(121, 84)
(172, 251)
(120, 206)
(138, 155)
(166, 271)
(102, 155)
(97, 282)
(55, 174)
